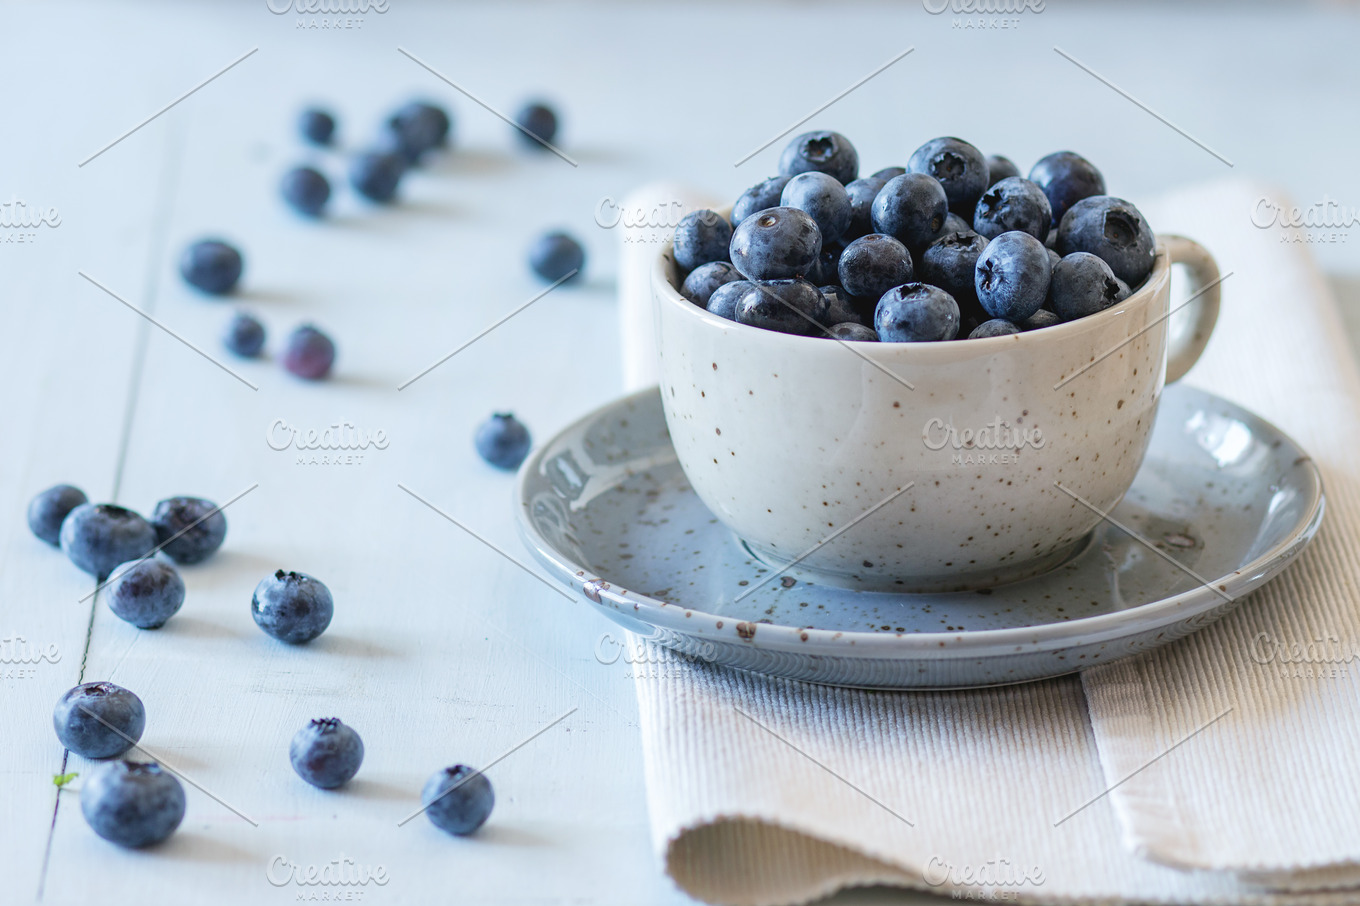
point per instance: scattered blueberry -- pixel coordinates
(309, 353)
(145, 593)
(1012, 276)
(99, 536)
(705, 279)
(458, 799)
(723, 301)
(1040, 319)
(916, 313)
(776, 244)
(539, 124)
(306, 191)
(911, 208)
(503, 441)
(1114, 231)
(996, 327)
(1013, 204)
(950, 263)
(189, 529)
(1083, 285)
(1066, 179)
(959, 167)
(765, 194)
(888, 173)
(823, 198)
(212, 266)
(326, 753)
(788, 306)
(853, 331)
(245, 335)
(317, 126)
(701, 237)
(999, 168)
(47, 510)
(824, 152)
(862, 193)
(840, 307)
(131, 803)
(557, 256)
(376, 175)
(99, 720)
(418, 127)
(292, 607)
(874, 264)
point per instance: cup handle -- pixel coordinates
(1185, 345)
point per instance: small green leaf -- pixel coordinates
(62, 779)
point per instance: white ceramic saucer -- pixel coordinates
(1222, 495)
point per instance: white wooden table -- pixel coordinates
(442, 650)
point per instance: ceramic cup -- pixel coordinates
(924, 466)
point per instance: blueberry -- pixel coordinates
(950, 263)
(911, 208)
(309, 353)
(503, 441)
(1066, 179)
(701, 237)
(418, 127)
(306, 190)
(1114, 231)
(763, 195)
(557, 256)
(212, 266)
(317, 126)
(874, 264)
(539, 124)
(99, 720)
(244, 336)
(916, 313)
(189, 529)
(132, 803)
(292, 607)
(326, 753)
(724, 299)
(862, 193)
(145, 593)
(1083, 285)
(827, 269)
(48, 509)
(1053, 259)
(376, 175)
(776, 244)
(996, 327)
(1013, 204)
(1012, 276)
(705, 279)
(788, 306)
(959, 167)
(999, 168)
(1040, 319)
(822, 198)
(888, 173)
(953, 223)
(840, 307)
(99, 536)
(824, 152)
(853, 331)
(458, 799)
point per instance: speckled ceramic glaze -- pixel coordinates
(607, 509)
(923, 466)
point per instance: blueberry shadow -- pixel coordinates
(251, 297)
(471, 161)
(379, 790)
(348, 646)
(191, 627)
(192, 846)
(509, 835)
(594, 155)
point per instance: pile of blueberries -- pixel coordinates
(955, 244)
(135, 803)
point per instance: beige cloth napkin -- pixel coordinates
(763, 791)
